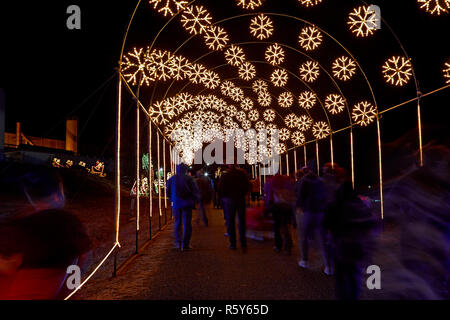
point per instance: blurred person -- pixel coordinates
(298, 211)
(255, 190)
(418, 205)
(204, 185)
(37, 247)
(310, 193)
(280, 201)
(233, 188)
(217, 200)
(183, 193)
(352, 228)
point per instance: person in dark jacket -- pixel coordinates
(183, 193)
(311, 200)
(205, 187)
(233, 188)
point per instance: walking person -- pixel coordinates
(351, 225)
(233, 188)
(280, 202)
(204, 185)
(311, 200)
(183, 193)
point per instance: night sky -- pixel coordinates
(48, 70)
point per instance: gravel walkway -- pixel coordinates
(213, 272)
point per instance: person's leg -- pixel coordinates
(278, 242)
(230, 209)
(306, 226)
(321, 237)
(177, 214)
(203, 213)
(187, 227)
(242, 225)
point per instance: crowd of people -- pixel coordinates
(323, 209)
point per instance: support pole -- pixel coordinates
(138, 177)
(117, 169)
(419, 121)
(159, 180)
(164, 179)
(331, 151)
(380, 160)
(150, 178)
(304, 153)
(295, 161)
(352, 164)
(287, 163)
(317, 158)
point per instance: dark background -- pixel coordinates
(50, 72)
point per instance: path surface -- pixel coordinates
(212, 271)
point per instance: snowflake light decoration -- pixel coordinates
(168, 7)
(310, 38)
(284, 134)
(249, 4)
(307, 100)
(397, 71)
(226, 88)
(210, 79)
(335, 103)
(196, 73)
(160, 63)
(363, 21)
(269, 115)
(298, 138)
(247, 104)
(304, 123)
(447, 72)
(321, 130)
(259, 86)
(280, 148)
(196, 20)
(285, 100)
(247, 71)
(279, 78)
(435, 6)
(241, 116)
(246, 124)
(291, 120)
(344, 68)
(364, 113)
(275, 54)
(309, 71)
(235, 56)
(309, 3)
(231, 110)
(261, 27)
(135, 68)
(253, 115)
(264, 99)
(179, 68)
(216, 38)
(237, 94)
